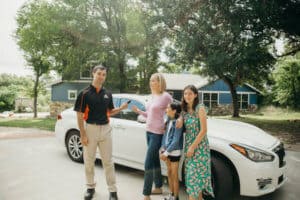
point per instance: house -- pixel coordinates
(214, 94)
(67, 91)
(64, 94)
(176, 83)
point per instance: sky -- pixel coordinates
(11, 59)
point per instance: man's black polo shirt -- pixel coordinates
(95, 105)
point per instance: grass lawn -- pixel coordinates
(282, 123)
(41, 123)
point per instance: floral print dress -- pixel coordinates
(197, 167)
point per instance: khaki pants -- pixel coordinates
(99, 136)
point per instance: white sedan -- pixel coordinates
(244, 158)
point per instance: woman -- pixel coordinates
(196, 147)
(172, 144)
(154, 114)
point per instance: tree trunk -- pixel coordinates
(35, 94)
(122, 77)
(294, 94)
(235, 105)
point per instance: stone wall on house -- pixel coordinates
(23, 104)
(57, 107)
(226, 109)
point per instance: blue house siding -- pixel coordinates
(225, 98)
(176, 94)
(244, 89)
(60, 90)
(224, 95)
(253, 99)
(218, 85)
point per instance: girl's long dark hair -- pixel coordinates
(196, 100)
(177, 107)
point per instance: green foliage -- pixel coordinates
(41, 123)
(74, 36)
(282, 17)
(224, 38)
(12, 86)
(7, 97)
(287, 82)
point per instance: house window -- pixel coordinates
(86, 73)
(210, 99)
(243, 101)
(72, 94)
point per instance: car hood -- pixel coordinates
(240, 132)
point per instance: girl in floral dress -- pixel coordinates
(197, 161)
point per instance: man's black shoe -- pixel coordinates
(89, 194)
(113, 196)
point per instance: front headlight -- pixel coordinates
(252, 153)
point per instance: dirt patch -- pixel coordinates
(292, 147)
(291, 141)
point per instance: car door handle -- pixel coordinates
(119, 127)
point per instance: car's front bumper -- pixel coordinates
(258, 179)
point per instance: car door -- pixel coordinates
(129, 138)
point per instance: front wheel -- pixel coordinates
(222, 180)
(74, 146)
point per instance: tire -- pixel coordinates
(74, 146)
(222, 180)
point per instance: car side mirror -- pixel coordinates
(141, 119)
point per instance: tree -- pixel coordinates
(73, 36)
(7, 97)
(34, 39)
(287, 82)
(126, 35)
(282, 18)
(225, 39)
(41, 66)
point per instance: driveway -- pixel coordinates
(35, 166)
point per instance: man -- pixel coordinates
(94, 105)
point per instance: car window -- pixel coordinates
(116, 102)
(128, 113)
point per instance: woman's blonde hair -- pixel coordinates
(161, 80)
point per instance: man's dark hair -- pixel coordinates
(101, 67)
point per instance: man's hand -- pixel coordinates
(117, 110)
(84, 140)
(124, 106)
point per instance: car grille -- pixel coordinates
(279, 150)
